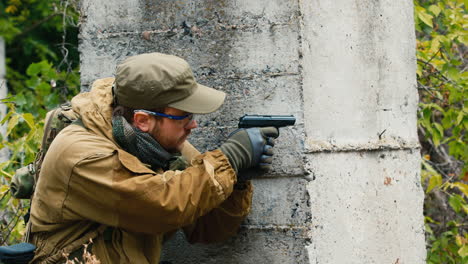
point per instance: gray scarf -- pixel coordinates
(140, 144)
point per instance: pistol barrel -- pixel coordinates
(266, 120)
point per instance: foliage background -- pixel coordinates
(442, 38)
(42, 72)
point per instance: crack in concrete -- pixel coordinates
(277, 227)
(386, 144)
(241, 76)
(182, 29)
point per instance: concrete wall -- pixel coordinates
(345, 185)
(361, 145)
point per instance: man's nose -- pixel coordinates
(192, 124)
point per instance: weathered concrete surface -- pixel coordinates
(344, 188)
(275, 232)
(250, 246)
(364, 208)
(252, 56)
(360, 96)
(359, 81)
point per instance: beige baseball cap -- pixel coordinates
(156, 80)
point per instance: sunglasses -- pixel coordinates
(173, 117)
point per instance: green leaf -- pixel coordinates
(435, 10)
(445, 40)
(453, 73)
(460, 116)
(464, 39)
(12, 124)
(436, 138)
(428, 219)
(424, 16)
(463, 251)
(465, 208)
(456, 148)
(33, 82)
(456, 62)
(455, 96)
(52, 100)
(435, 106)
(440, 129)
(447, 120)
(47, 71)
(6, 174)
(31, 134)
(427, 113)
(3, 189)
(29, 118)
(434, 181)
(462, 187)
(34, 69)
(43, 89)
(419, 71)
(455, 202)
(20, 100)
(428, 229)
(7, 117)
(435, 44)
(428, 167)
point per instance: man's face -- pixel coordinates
(170, 133)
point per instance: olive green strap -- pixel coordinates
(79, 122)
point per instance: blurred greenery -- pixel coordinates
(42, 71)
(442, 37)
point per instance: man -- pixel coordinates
(115, 176)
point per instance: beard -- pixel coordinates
(168, 142)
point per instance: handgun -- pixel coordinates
(277, 121)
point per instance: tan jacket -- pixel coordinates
(88, 183)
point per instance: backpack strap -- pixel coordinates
(48, 130)
(79, 122)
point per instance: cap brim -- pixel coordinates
(203, 101)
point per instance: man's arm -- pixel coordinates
(117, 191)
(222, 222)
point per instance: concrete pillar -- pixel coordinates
(345, 185)
(4, 153)
(361, 145)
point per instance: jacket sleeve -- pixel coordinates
(117, 190)
(223, 221)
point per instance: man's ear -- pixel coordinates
(142, 121)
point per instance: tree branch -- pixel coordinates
(35, 25)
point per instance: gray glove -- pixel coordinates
(251, 147)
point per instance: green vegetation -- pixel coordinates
(41, 39)
(441, 29)
(42, 71)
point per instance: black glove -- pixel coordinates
(251, 147)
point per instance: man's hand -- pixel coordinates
(252, 147)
